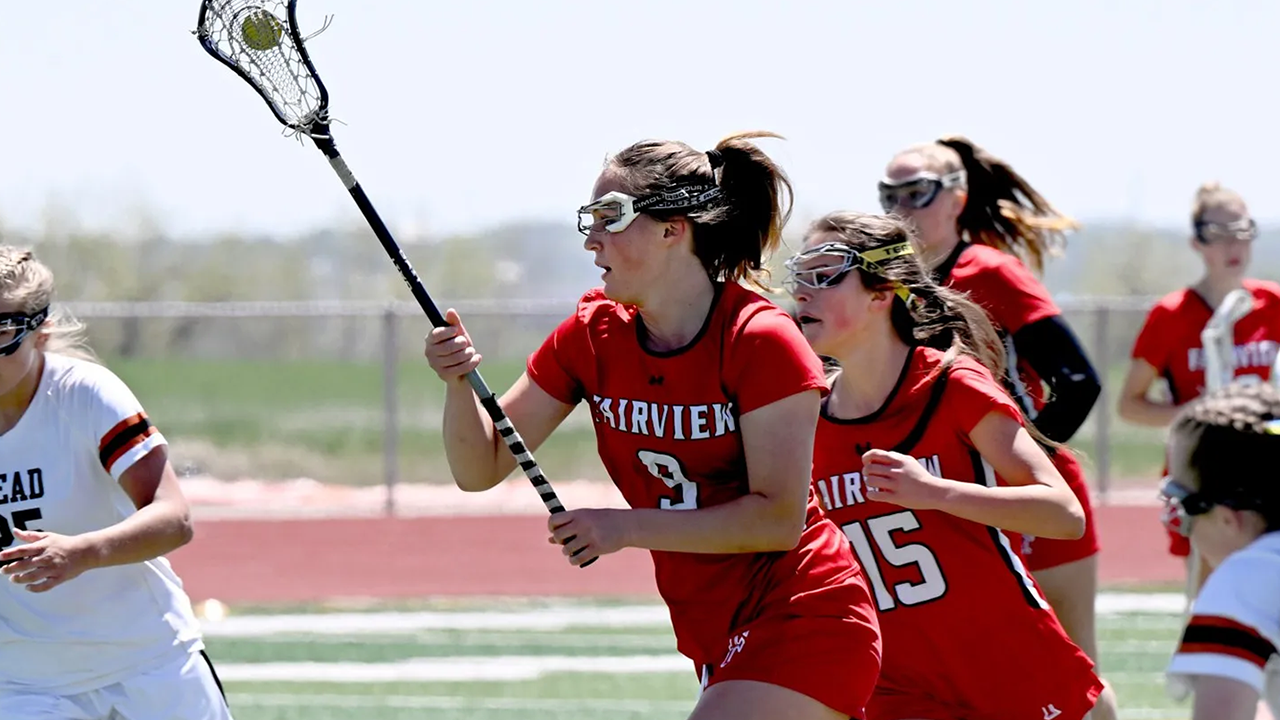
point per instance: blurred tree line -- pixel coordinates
(517, 261)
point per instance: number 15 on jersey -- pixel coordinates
(932, 585)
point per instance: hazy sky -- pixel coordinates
(462, 115)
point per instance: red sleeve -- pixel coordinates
(1152, 343)
(1012, 296)
(972, 394)
(770, 360)
(553, 366)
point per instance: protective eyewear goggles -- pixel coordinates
(838, 259)
(615, 211)
(917, 192)
(1208, 233)
(15, 326)
(1182, 504)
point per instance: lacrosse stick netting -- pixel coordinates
(259, 40)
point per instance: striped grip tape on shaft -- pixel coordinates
(530, 466)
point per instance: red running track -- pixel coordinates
(315, 560)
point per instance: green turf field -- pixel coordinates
(545, 661)
(321, 419)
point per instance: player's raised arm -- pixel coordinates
(475, 451)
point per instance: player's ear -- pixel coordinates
(675, 229)
(882, 296)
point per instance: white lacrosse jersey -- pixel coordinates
(59, 472)
(1235, 624)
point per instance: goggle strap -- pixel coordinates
(870, 259)
(30, 321)
(680, 197)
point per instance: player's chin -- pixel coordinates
(811, 328)
(618, 292)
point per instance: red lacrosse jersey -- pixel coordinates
(963, 623)
(1013, 298)
(1170, 339)
(667, 432)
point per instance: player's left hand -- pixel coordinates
(47, 560)
(900, 479)
(593, 532)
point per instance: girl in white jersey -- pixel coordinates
(94, 625)
(1222, 493)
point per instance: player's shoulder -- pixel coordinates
(595, 308)
(741, 304)
(977, 258)
(1244, 575)
(744, 316)
(1262, 556)
(1265, 290)
(927, 364)
(1177, 301)
(978, 254)
(71, 377)
(964, 369)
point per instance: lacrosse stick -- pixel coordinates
(1218, 339)
(1219, 347)
(259, 40)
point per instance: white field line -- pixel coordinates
(451, 702)
(452, 669)
(555, 618)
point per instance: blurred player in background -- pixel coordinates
(1169, 346)
(921, 455)
(704, 397)
(94, 625)
(984, 230)
(1223, 496)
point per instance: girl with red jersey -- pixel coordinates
(704, 397)
(922, 458)
(984, 230)
(1169, 345)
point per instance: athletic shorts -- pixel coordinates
(833, 660)
(185, 689)
(1011, 702)
(1045, 553)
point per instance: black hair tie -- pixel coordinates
(715, 158)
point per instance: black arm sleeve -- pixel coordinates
(1053, 351)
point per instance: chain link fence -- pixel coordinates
(339, 392)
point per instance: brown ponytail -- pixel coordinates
(1003, 210)
(735, 233)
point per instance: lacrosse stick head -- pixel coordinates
(259, 40)
(1218, 338)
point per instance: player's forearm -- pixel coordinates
(752, 523)
(470, 443)
(155, 529)
(1054, 352)
(1141, 411)
(1039, 510)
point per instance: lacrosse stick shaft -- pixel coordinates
(501, 423)
(262, 45)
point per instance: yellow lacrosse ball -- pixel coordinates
(261, 30)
